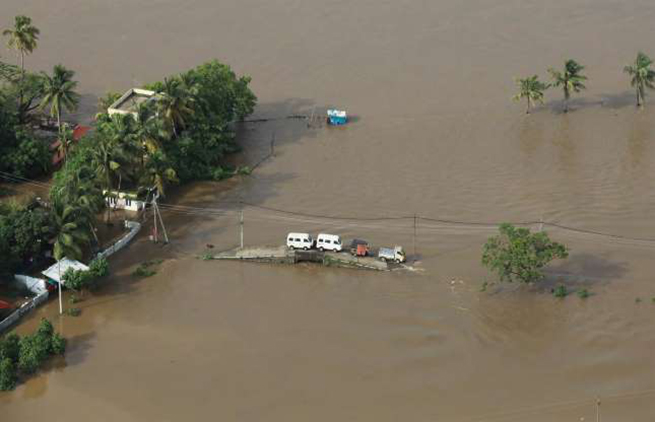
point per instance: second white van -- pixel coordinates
(328, 242)
(300, 241)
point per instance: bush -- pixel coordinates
(34, 350)
(8, 376)
(31, 157)
(583, 294)
(74, 312)
(99, 267)
(10, 347)
(77, 279)
(58, 344)
(560, 291)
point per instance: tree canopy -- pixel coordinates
(570, 79)
(532, 89)
(516, 254)
(641, 76)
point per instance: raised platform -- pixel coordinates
(283, 255)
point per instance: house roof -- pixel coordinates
(78, 133)
(60, 268)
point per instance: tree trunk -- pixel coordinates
(566, 105)
(638, 97)
(527, 111)
(109, 194)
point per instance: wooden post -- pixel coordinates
(597, 409)
(415, 217)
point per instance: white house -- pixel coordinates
(56, 271)
(123, 200)
(129, 102)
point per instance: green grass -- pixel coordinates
(74, 312)
(583, 294)
(145, 268)
(484, 286)
(560, 291)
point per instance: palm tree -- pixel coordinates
(175, 104)
(642, 76)
(149, 129)
(59, 91)
(107, 158)
(571, 80)
(532, 89)
(158, 172)
(65, 140)
(70, 235)
(23, 37)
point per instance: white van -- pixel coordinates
(328, 242)
(300, 241)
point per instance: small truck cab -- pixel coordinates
(359, 247)
(395, 254)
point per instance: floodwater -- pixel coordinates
(434, 134)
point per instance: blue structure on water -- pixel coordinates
(337, 117)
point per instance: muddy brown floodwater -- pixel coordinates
(434, 133)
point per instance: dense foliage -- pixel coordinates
(516, 254)
(24, 356)
(81, 279)
(24, 236)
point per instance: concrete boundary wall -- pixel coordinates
(35, 284)
(123, 241)
(23, 310)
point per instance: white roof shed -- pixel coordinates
(59, 268)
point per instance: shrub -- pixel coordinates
(8, 376)
(560, 291)
(99, 267)
(10, 347)
(583, 294)
(74, 312)
(58, 344)
(77, 279)
(33, 351)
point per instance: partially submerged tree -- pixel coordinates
(22, 37)
(532, 89)
(642, 76)
(571, 80)
(516, 254)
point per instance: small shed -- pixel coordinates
(337, 117)
(57, 270)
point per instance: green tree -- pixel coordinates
(8, 376)
(65, 140)
(22, 37)
(570, 79)
(71, 232)
(10, 347)
(516, 254)
(175, 104)
(642, 76)
(158, 173)
(532, 89)
(59, 92)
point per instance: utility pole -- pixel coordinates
(161, 220)
(154, 218)
(241, 227)
(61, 307)
(415, 218)
(541, 223)
(597, 409)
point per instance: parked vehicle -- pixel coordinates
(328, 242)
(395, 254)
(359, 247)
(300, 241)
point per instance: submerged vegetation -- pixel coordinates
(181, 134)
(23, 356)
(516, 254)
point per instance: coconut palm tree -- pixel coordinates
(158, 173)
(70, 234)
(149, 129)
(532, 89)
(571, 80)
(108, 158)
(59, 91)
(175, 105)
(23, 38)
(642, 76)
(65, 140)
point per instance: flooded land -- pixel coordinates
(434, 133)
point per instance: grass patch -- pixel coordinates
(560, 291)
(583, 294)
(145, 269)
(74, 312)
(484, 286)
(73, 299)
